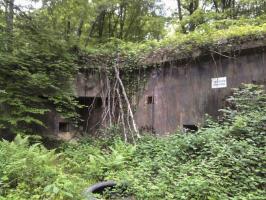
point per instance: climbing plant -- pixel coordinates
(224, 160)
(36, 77)
(42, 49)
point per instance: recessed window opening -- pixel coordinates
(98, 102)
(63, 127)
(190, 127)
(150, 100)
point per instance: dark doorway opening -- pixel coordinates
(150, 100)
(190, 127)
(90, 112)
(91, 102)
(63, 127)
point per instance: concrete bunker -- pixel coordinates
(185, 89)
(178, 94)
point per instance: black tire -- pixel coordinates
(98, 188)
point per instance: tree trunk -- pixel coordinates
(122, 17)
(68, 27)
(180, 15)
(216, 6)
(179, 10)
(193, 6)
(79, 29)
(94, 26)
(101, 24)
(9, 13)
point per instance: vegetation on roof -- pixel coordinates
(221, 36)
(43, 48)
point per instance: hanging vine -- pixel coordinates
(123, 82)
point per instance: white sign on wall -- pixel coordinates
(220, 82)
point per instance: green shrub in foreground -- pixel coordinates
(220, 161)
(32, 172)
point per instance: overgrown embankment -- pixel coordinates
(223, 160)
(217, 36)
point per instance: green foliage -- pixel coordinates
(212, 35)
(35, 78)
(221, 35)
(37, 69)
(38, 62)
(224, 161)
(220, 161)
(31, 172)
(97, 162)
(90, 22)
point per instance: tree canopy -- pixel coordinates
(42, 50)
(39, 46)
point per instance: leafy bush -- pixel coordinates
(223, 160)
(32, 172)
(95, 163)
(35, 78)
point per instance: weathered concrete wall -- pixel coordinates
(88, 85)
(52, 120)
(182, 93)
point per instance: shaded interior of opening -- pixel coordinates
(147, 129)
(63, 127)
(90, 112)
(190, 127)
(150, 100)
